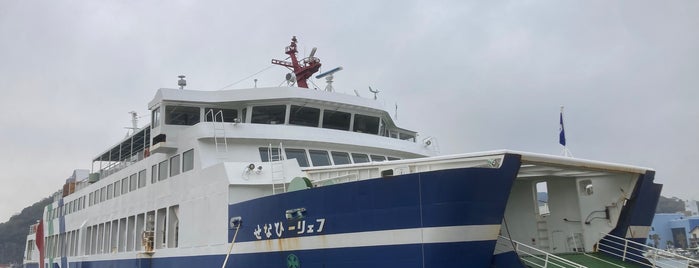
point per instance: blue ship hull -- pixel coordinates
(446, 218)
(467, 199)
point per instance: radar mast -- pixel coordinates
(302, 70)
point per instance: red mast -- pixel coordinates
(304, 69)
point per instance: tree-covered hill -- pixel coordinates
(669, 205)
(13, 233)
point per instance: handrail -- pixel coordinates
(627, 249)
(325, 181)
(548, 259)
(214, 117)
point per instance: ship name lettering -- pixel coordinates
(268, 230)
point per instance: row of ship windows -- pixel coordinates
(143, 232)
(320, 157)
(131, 183)
(277, 114)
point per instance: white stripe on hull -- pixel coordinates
(467, 233)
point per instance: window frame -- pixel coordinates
(163, 169)
(367, 126)
(188, 158)
(142, 178)
(261, 114)
(175, 165)
(319, 153)
(328, 117)
(190, 118)
(362, 156)
(346, 154)
(299, 115)
(303, 162)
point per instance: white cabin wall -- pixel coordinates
(240, 193)
(562, 204)
(520, 213)
(607, 193)
(203, 196)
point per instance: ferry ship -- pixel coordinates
(295, 177)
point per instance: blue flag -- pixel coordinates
(562, 135)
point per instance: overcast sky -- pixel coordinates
(478, 75)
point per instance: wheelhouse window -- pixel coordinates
(407, 137)
(378, 158)
(264, 154)
(220, 115)
(299, 155)
(340, 158)
(181, 115)
(273, 114)
(319, 158)
(304, 116)
(360, 158)
(155, 118)
(366, 124)
(336, 120)
(188, 160)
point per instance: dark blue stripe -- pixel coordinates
(466, 196)
(471, 254)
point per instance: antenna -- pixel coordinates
(396, 113)
(329, 77)
(182, 83)
(134, 122)
(376, 92)
(356, 93)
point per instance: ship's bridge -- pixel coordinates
(286, 105)
(173, 108)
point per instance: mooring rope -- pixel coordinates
(231, 247)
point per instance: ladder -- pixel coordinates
(543, 234)
(276, 163)
(219, 130)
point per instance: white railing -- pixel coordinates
(338, 179)
(630, 251)
(535, 257)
